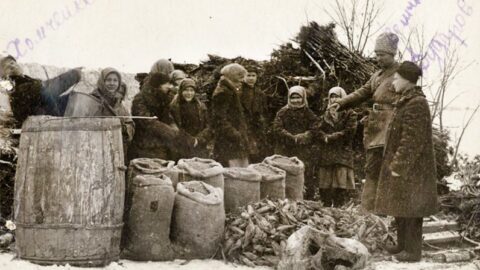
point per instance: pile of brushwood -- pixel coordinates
(8, 158)
(258, 234)
(465, 202)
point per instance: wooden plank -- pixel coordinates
(438, 226)
(441, 237)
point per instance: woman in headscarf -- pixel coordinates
(156, 138)
(111, 92)
(228, 121)
(162, 66)
(335, 135)
(190, 115)
(293, 128)
(176, 77)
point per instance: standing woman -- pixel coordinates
(228, 120)
(155, 138)
(407, 185)
(335, 172)
(190, 115)
(111, 92)
(293, 127)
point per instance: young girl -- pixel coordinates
(190, 115)
(293, 127)
(335, 131)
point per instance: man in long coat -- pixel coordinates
(407, 185)
(228, 119)
(378, 90)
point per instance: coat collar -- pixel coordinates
(409, 94)
(228, 84)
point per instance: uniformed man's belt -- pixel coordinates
(382, 107)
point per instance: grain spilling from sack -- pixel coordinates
(198, 220)
(206, 170)
(153, 166)
(295, 177)
(273, 181)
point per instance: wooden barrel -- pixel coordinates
(69, 191)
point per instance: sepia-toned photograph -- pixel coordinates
(239, 134)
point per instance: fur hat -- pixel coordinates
(157, 79)
(409, 71)
(187, 83)
(387, 43)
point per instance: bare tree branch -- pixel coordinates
(454, 159)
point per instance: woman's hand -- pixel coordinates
(334, 107)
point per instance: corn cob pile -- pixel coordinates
(258, 234)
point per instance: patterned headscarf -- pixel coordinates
(300, 91)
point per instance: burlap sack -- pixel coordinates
(153, 166)
(200, 169)
(198, 220)
(295, 177)
(147, 234)
(272, 185)
(242, 187)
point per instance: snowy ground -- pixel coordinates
(8, 262)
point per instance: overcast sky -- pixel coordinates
(131, 35)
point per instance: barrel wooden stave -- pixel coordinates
(69, 191)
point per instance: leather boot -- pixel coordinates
(413, 241)
(400, 246)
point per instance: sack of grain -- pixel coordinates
(295, 178)
(206, 170)
(149, 218)
(242, 187)
(198, 220)
(153, 166)
(273, 181)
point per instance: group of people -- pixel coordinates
(400, 167)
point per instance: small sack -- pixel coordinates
(273, 181)
(198, 220)
(206, 170)
(147, 228)
(295, 174)
(242, 187)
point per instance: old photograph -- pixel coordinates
(239, 134)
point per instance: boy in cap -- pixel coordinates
(407, 184)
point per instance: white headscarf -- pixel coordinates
(300, 91)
